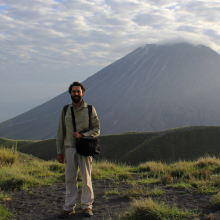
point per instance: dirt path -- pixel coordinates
(46, 202)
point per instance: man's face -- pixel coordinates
(76, 94)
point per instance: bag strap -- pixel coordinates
(73, 119)
(73, 116)
(90, 112)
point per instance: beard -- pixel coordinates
(76, 98)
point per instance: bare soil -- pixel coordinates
(46, 202)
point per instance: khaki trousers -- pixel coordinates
(72, 162)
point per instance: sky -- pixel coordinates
(45, 45)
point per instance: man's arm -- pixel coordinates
(95, 125)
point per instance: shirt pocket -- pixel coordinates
(82, 121)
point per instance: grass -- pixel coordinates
(8, 156)
(155, 192)
(105, 170)
(149, 209)
(4, 196)
(4, 213)
(181, 185)
(215, 201)
(166, 179)
(20, 171)
(111, 192)
(199, 176)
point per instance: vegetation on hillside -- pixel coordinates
(134, 148)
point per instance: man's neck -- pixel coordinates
(77, 105)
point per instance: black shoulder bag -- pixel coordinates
(86, 146)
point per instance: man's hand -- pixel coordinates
(77, 135)
(60, 158)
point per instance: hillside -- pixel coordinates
(136, 147)
(153, 88)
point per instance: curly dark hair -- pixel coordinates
(76, 84)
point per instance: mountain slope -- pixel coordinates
(133, 148)
(153, 88)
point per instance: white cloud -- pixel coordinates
(56, 41)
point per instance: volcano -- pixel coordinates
(153, 88)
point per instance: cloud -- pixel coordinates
(56, 41)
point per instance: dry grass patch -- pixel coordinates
(202, 174)
(134, 192)
(155, 192)
(105, 169)
(7, 156)
(207, 161)
(166, 179)
(154, 168)
(180, 168)
(215, 201)
(181, 185)
(149, 210)
(215, 181)
(106, 165)
(124, 177)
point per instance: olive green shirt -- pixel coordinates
(65, 128)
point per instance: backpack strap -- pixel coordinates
(90, 112)
(73, 119)
(65, 109)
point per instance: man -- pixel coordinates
(66, 145)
